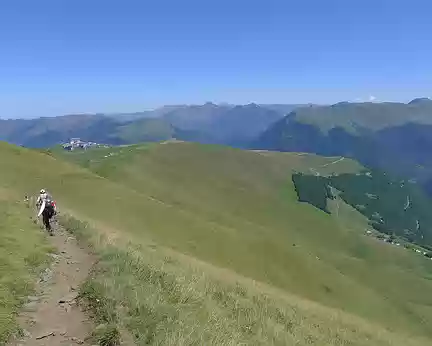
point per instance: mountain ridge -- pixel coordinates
(391, 136)
(208, 123)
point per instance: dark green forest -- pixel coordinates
(313, 190)
(395, 207)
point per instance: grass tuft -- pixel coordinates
(106, 335)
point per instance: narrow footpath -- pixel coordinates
(52, 317)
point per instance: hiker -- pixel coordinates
(27, 201)
(49, 210)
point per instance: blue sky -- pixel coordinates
(60, 57)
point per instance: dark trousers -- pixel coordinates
(47, 214)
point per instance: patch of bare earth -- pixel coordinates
(52, 317)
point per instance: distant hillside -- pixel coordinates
(283, 109)
(208, 123)
(243, 123)
(232, 125)
(144, 130)
(155, 113)
(45, 132)
(196, 117)
(48, 131)
(392, 136)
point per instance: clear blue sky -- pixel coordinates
(61, 56)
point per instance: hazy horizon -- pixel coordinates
(113, 113)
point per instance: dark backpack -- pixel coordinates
(49, 203)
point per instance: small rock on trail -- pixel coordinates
(51, 318)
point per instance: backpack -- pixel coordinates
(49, 203)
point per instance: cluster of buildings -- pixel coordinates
(77, 143)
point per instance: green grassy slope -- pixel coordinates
(23, 252)
(239, 210)
(217, 216)
(172, 299)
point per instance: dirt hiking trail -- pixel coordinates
(52, 317)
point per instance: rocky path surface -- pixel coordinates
(52, 317)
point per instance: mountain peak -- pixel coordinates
(209, 104)
(342, 103)
(251, 105)
(420, 100)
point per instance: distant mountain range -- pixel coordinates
(396, 137)
(208, 123)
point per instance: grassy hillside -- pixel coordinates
(243, 214)
(172, 299)
(23, 252)
(144, 130)
(215, 236)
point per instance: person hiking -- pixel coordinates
(49, 209)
